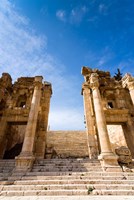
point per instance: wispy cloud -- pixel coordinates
(23, 52)
(127, 66)
(61, 15)
(75, 16)
(101, 58)
(102, 8)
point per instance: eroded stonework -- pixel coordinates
(108, 104)
(109, 119)
(24, 109)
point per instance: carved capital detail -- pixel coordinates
(128, 81)
(94, 82)
(85, 86)
(37, 85)
(130, 85)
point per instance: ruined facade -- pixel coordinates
(24, 108)
(107, 101)
(109, 120)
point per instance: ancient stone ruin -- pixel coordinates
(108, 104)
(24, 109)
(37, 161)
(109, 120)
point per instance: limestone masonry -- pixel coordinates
(38, 161)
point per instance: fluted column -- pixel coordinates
(89, 118)
(26, 157)
(107, 157)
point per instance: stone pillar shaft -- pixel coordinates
(24, 161)
(101, 123)
(3, 126)
(128, 81)
(131, 90)
(28, 144)
(88, 110)
(107, 158)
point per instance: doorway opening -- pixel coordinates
(14, 139)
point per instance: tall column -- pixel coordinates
(107, 158)
(89, 117)
(131, 90)
(128, 81)
(26, 158)
(3, 126)
(43, 121)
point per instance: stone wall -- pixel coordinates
(67, 144)
(116, 136)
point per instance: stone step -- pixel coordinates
(66, 192)
(7, 162)
(72, 181)
(68, 165)
(6, 170)
(87, 173)
(70, 160)
(76, 177)
(113, 192)
(65, 169)
(68, 187)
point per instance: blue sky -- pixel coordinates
(55, 38)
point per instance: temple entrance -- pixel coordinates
(14, 139)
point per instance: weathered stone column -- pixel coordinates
(131, 90)
(26, 158)
(3, 126)
(43, 121)
(89, 118)
(107, 158)
(128, 81)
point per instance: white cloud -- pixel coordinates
(61, 15)
(77, 14)
(24, 53)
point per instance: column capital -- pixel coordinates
(94, 82)
(85, 88)
(126, 80)
(38, 79)
(130, 85)
(37, 84)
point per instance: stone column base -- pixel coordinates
(24, 163)
(109, 162)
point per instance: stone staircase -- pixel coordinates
(61, 177)
(6, 168)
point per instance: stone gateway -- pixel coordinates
(38, 161)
